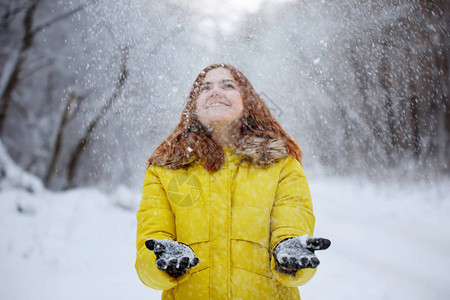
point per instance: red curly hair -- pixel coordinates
(190, 139)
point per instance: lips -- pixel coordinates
(216, 104)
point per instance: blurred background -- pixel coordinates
(89, 88)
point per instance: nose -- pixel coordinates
(214, 91)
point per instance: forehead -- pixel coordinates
(218, 74)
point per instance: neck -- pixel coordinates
(224, 134)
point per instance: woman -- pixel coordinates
(226, 210)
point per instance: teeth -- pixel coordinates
(216, 104)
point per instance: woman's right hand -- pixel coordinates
(172, 257)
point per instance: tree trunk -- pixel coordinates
(13, 80)
(413, 103)
(385, 81)
(59, 138)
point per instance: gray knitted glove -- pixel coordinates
(298, 253)
(172, 257)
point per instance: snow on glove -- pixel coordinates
(172, 257)
(298, 253)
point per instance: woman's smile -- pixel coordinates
(216, 104)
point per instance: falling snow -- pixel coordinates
(89, 88)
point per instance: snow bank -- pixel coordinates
(77, 245)
(12, 176)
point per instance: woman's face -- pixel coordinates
(220, 99)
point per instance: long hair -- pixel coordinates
(190, 140)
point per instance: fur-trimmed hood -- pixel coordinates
(261, 151)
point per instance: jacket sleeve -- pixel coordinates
(155, 220)
(292, 215)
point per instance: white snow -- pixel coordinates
(13, 176)
(389, 241)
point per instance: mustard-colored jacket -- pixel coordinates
(232, 219)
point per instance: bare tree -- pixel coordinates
(19, 57)
(385, 77)
(87, 136)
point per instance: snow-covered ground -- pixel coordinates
(389, 241)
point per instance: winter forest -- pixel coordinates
(89, 88)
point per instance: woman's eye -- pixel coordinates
(229, 86)
(204, 88)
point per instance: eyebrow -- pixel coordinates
(223, 81)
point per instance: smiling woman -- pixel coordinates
(226, 210)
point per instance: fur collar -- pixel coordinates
(261, 151)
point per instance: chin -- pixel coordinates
(218, 120)
(216, 117)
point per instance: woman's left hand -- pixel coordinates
(298, 253)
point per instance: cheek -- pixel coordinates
(199, 103)
(239, 102)
(200, 111)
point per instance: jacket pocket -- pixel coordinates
(251, 257)
(192, 226)
(250, 233)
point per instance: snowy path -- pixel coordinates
(388, 242)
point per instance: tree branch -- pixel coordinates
(61, 17)
(82, 143)
(59, 137)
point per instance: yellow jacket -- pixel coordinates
(232, 219)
